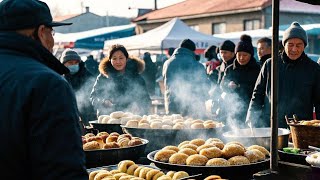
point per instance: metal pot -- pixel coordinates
(258, 136)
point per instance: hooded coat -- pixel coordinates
(39, 126)
(126, 91)
(186, 84)
(299, 87)
(245, 77)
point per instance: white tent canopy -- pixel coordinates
(168, 35)
(255, 35)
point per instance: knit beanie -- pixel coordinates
(68, 55)
(245, 45)
(187, 43)
(227, 46)
(295, 31)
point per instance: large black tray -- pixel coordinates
(293, 158)
(102, 157)
(109, 128)
(163, 137)
(230, 172)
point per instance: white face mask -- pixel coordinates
(73, 68)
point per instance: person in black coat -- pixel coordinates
(149, 74)
(119, 86)
(263, 50)
(239, 80)
(39, 124)
(299, 85)
(81, 81)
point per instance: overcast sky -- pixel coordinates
(102, 7)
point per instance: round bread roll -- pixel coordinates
(174, 148)
(180, 175)
(127, 114)
(124, 165)
(218, 162)
(197, 142)
(178, 126)
(209, 125)
(210, 140)
(212, 177)
(132, 123)
(125, 136)
(103, 134)
(110, 145)
(183, 143)
(178, 158)
(196, 160)
(197, 121)
(232, 150)
(114, 121)
(238, 160)
(143, 121)
(238, 143)
(124, 120)
(260, 148)
(204, 146)
(101, 117)
(102, 174)
(167, 122)
(159, 174)
(131, 169)
(197, 126)
(144, 171)
(112, 139)
(114, 134)
(123, 142)
(88, 135)
(136, 117)
(254, 155)
(166, 127)
(105, 119)
(177, 121)
(156, 125)
(170, 173)
(217, 144)
(117, 114)
(191, 146)
(151, 174)
(208, 122)
(188, 151)
(164, 155)
(212, 152)
(93, 145)
(144, 126)
(135, 142)
(94, 173)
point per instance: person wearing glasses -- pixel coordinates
(39, 124)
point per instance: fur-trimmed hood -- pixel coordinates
(134, 66)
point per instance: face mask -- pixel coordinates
(73, 68)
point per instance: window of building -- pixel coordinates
(218, 28)
(251, 24)
(195, 27)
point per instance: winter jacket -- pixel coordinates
(186, 84)
(299, 87)
(39, 128)
(264, 59)
(127, 91)
(222, 68)
(245, 77)
(149, 75)
(82, 83)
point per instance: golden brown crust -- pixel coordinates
(180, 175)
(93, 145)
(191, 146)
(178, 158)
(197, 142)
(212, 152)
(218, 162)
(260, 148)
(174, 148)
(238, 160)
(164, 155)
(196, 160)
(110, 145)
(232, 150)
(188, 151)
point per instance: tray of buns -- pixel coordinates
(212, 156)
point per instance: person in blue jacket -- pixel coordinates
(39, 124)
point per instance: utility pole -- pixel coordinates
(155, 5)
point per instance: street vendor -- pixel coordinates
(299, 83)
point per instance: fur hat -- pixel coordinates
(68, 55)
(187, 43)
(227, 46)
(245, 45)
(295, 31)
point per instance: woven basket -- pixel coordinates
(304, 136)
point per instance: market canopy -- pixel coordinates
(165, 36)
(94, 39)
